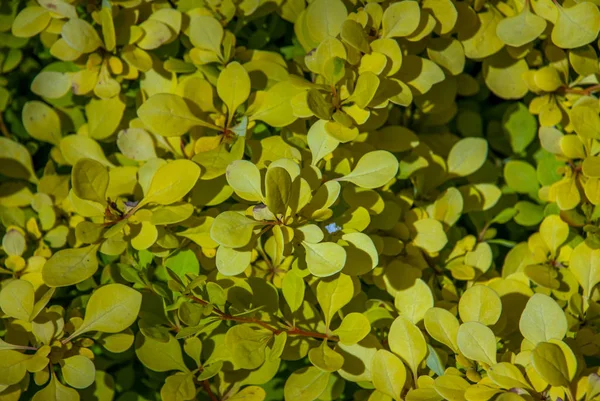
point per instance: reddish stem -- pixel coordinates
(585, 92)
(293, 331)
(3, 128)
(206, 386)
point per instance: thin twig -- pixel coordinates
(3, 127)
(585, 92)
(292, 331)
(206, 386)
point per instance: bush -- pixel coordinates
(267, 199)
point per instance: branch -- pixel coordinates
(585, 92)
(292, 331)
(3, 127)
(206, 387)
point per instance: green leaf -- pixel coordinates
(320, 107)
(42, 122)
(233, 229)
(78, 371)
(232, 261)
(70, 266)
(178, 387)
(353, 328)
(373, 170)
(56, 391)
(306, 384)
(15, 161)
(324, 18)
(17, 298)
(442, 326)
(401, 19)
(477, 341)
(247, 344)
(406, 340)
(324, 259)
(90, 180)
(168, 115)
(13, 366)
(467, 156)
(206, 33)
(160, 356)
(451, 387)
(172, 182)
(584, 268)
(278, 188)
(183, 262)
(430, 235)
(233, 87)
(320, 142)
(112, 308)
(520, 126)
(507, 376)
(250, 393)
(325, 358)
(542, 320)
(389, 373)
(550, 363)
(480, 304)
(354, 34)
(244, 177)
(104, 116)
(521, 177)
(521, 29)
(413, 302)
(292, 287)
(576, 26)
(334, 294)
(366, 87)
(81, 35)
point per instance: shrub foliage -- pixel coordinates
(279, 199)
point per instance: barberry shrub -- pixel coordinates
(295, 200)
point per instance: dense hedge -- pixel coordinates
(253, 200)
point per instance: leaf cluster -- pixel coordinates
(300, 200)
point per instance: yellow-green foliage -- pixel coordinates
(295, 200)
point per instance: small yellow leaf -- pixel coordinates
(16, 299)
(442, 326)
(550, 363)
(542, 320)
(172, 182)
(80, 35)
(406, 340)
(480, 304)
(576, 26)
(401, 19)
(467, 156)
(233, 87)
(30, 21)
(389, 373)
(51, 84)
(477, 342)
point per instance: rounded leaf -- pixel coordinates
(111, 309)
(70, 266)
(477, 342)
(467, 156)
(389, 373)
(480, 304)
(373, 170)
(172, 182)
(78, 371)
(233, 86)
(542, 320)
(306, 384)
